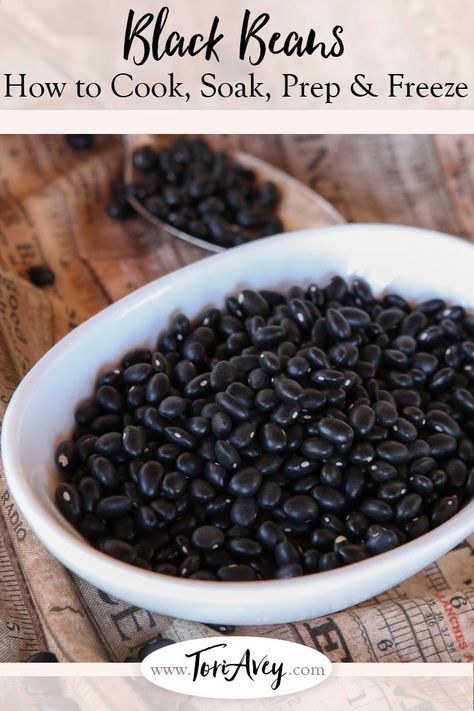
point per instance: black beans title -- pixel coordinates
(157, 41)
(149, 36)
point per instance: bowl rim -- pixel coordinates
(80, 556)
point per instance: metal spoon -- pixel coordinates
(299, 207)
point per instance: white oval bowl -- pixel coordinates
(416, 263)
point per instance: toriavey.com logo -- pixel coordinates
(236, 667)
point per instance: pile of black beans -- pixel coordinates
(202, 192)
(286, 434)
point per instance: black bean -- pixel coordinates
(201, 490)
(392, 491)
(244, 512)
(376, 510)
(180, 437)
(329, 499)
(382, 541)
(259, 379)
(418, 448)
(118, 549)
(317, 448)
(288, 571)
(288, 389)
(385, 413)
(352, 553)
(269, 495)
(362, 453)
(439, 479)
(109, 399)
(404, 430)
(198, 426)
(152, 646)
(421, 484)
(133, 441)
(105, 472)
(200, 385)
(253, 303)
(41, 275)
(216, 474)
(67, 457)
(310, 560)
(146, 517)
(269, 336)
(189, 464)
(242, 435)
(456, 471)
(285, 553)
(69, 502)
(171, 407)
(137, 373)
(430, 337)
(227, 455)
(86, 447)
(417, 527)
(168, 453)
(337, 325)
(463, 399)
(331, 475)
(323, 539)
(206, 538)
(109, 444)
(336, 431)
(356, 524)
(273, 438)
(236, 573)
(266, 400)
(414, 415)
(382, 471)
(354, 483)
(444, 509)
(327, 378)
(441, 380)
(90, 491)
(285, 414)
(221, 425)
(298, 367)
(333, 523)
(269, 534)
(222, 375)
(442, 422)
(441, 445)
(301, 313)
(232, 406)
(328, 561)
(362, 419)
(245, 483)
(150, 477)
(113, 507)
(301, 508)
(392, 452)
(244, 548)
(165, 509)
(173, 485)
(42, 657)
(408, 507)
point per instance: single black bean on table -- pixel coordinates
(284, 435)
(208, 195)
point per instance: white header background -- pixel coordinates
(63, 40)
